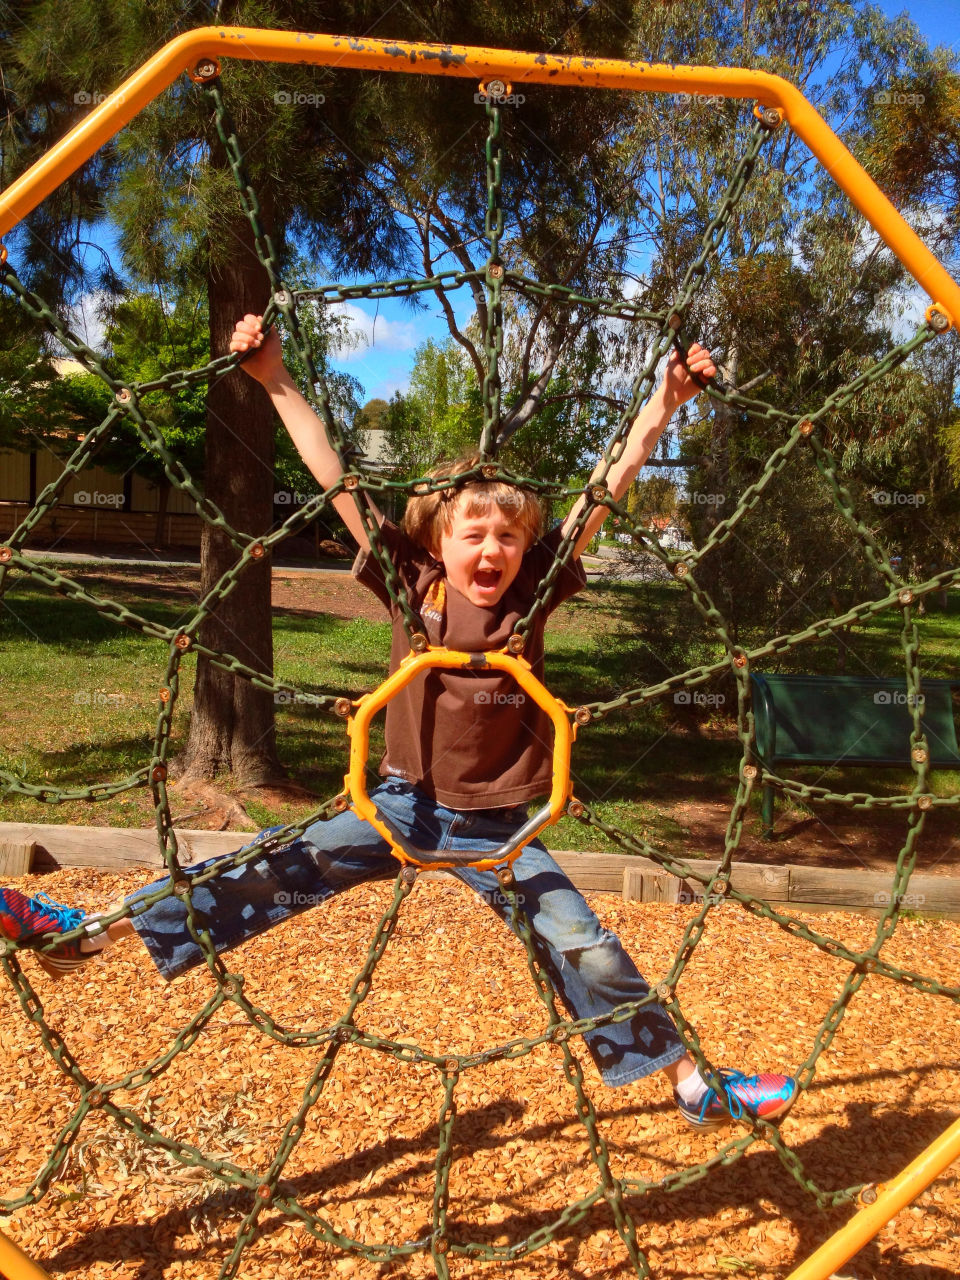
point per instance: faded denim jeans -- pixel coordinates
(587, 964)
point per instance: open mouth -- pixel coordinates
(487, 579)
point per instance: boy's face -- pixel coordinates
(481, 552)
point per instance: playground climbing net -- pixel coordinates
(800, 431)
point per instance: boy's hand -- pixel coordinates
(265, 363)
(678, 386)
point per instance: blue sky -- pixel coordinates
(389, 331)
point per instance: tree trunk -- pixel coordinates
(232, 726)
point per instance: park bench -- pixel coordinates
(847, 721)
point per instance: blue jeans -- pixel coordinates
(587, 964)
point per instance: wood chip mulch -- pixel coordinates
(454, 980)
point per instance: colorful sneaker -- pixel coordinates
(24, 919)
(765, 1097)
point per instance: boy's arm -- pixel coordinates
(305, 428)
(676, 389)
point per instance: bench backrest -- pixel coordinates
(850, 719)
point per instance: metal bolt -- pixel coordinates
(206, 69)
(181, 887)
(452, 1064)
(6, 555)
(264, 1191)
(583, 715)
(682, 569)
(920, 755)
(419, 642)
(559, 1035)
(183, 642)
(869, 966)
(344, 1035)
(905, 596)
(740, 660)
(675, 321)
(505, 876)
(750, 771)
(165, 695)
(575, 809)
(664, 991)
(495, 89)
(925, 802)
(516, 644)
(343, 707)
(6, 948)
(341, 803)
(769, 117)
(442, 1245)
(495, 271)
(282, 298)
(257, 550)
(721, 887)
(805, 427)
(868, 1194)
(123, 396)
(96, 1098)
(350, 482)
(599, 492)
(489, 471)
(409, 875)
(159, 773)
(937, 318)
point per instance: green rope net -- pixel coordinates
(624, 1195)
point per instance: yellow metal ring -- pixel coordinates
(358, 727)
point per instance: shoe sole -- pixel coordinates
(58, 967)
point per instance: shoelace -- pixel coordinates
(68, 917)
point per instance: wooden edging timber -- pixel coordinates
(636, 879)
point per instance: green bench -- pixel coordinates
(847, 720)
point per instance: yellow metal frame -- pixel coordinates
(210, 44)
(890, 1199)
(15, 1265)
(358, 727)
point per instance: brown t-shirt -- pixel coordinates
(470, 739)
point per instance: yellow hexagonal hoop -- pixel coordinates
(358, 727)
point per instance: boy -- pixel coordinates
(470, 558)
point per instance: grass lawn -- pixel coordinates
(80, 699)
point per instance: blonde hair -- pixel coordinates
(428, 516)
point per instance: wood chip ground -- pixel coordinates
(454, 980)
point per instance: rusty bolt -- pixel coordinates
(925, 802)
(583, 715)
(740, 660)
(206, 69)
(868, 1194)
(575, 808)
(769, 117)
(181, 887)
(452, 1064)
(516, 644)
(344, 1035)
(869, 966)
(920, 755)
(264, 1192)
(559, 1034)
(599, 492)
(937, 318)
(343, 707)
(282, 298)
(257, 550)
(183, 641)
(409, 875)
(495, 271)
(6, 555)
(664, 991)
(123, 396)
(675, 321)
(442, 1245)
(419, 642)
(805, 427)
(721, 887)
(505, 876)
(905, 596)
(158, 773)
(682, 569)
(489, 471)
(495, 89)
(750, 771)
(164, 695)
(96, 1098)
(341, 803)
(350, 482)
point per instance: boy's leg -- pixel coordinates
(588, 965)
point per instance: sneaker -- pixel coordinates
(24, 919)
(765, 1097)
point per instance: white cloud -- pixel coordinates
(370, 331)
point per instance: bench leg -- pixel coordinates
(767, 812)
